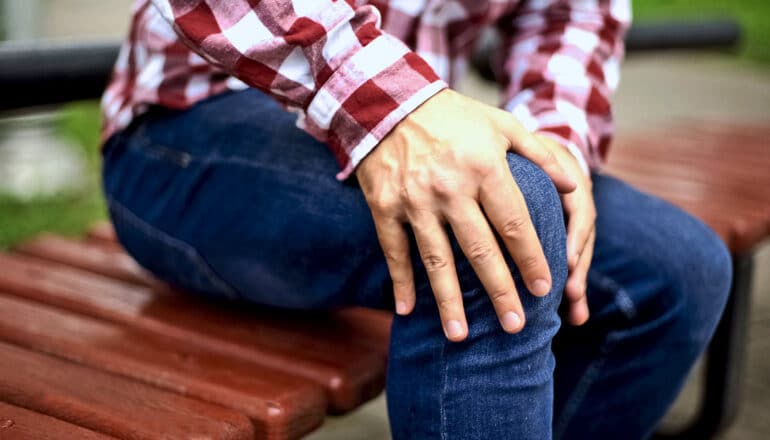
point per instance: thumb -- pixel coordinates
(527, 145)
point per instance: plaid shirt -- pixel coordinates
(352, 69)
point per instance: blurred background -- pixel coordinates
(49, 161)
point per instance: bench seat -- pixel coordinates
(92, 344)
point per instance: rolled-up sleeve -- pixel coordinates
(560, 67)
(328, 61)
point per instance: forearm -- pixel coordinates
(326, 60)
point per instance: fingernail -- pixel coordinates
(401, 307)
(541, 287)
(511, 321)
(454, 329)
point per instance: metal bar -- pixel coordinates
(44, 73)
(725, 361)
(683, 35)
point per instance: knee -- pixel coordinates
(539, 192)
(707, 272)
(546, 212)
(699, 274)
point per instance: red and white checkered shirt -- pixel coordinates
(352, 69)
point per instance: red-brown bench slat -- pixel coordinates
(281, 406)
(360, 325)
(22, 424)
(728, 177)
(741, 224)
(351, 374)
(110, 404)
(110, 261)
(717, 172)
(102, 232)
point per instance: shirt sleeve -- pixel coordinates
(327, 60)
(560, 67)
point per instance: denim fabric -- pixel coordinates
(229, 199)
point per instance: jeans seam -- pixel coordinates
(194, 256)
(165, 153)
(581, 390)
(621, 298)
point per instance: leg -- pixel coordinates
(725, 357)
(493, 385)
(230, 199)
(656, 290)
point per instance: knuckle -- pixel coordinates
(443, 187)
(499, 295)
(435, 262)
(412, 195)
(384, 205)
(402, 283)
(396, 257)
(529, 262)
(446, 303)
(513, 228)
(549, 157)
(480, 252)
(484, 166)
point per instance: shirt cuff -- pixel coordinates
(367, 96)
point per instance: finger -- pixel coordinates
(436, 254)
(575, 291)
(526, 144)
(479, 245)
(395, 247)
(506, 209)
(582, 217)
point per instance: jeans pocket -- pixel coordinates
(169, 259)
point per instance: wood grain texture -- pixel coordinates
(22, 424)
(315, 347)
(110, 404)
(361, 325)
(110, 261)
(717, 172)
(280, 406)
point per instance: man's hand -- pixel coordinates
(445, 163)
(581, 231)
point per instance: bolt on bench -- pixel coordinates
(92, 346)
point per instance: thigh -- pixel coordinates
(231, 198)
(656, 289)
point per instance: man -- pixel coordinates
(448, 211)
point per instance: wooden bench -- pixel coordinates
(89, 338)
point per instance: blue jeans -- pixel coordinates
(229, 199)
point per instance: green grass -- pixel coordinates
(71, 213)
(68, 215)
(753, 15)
